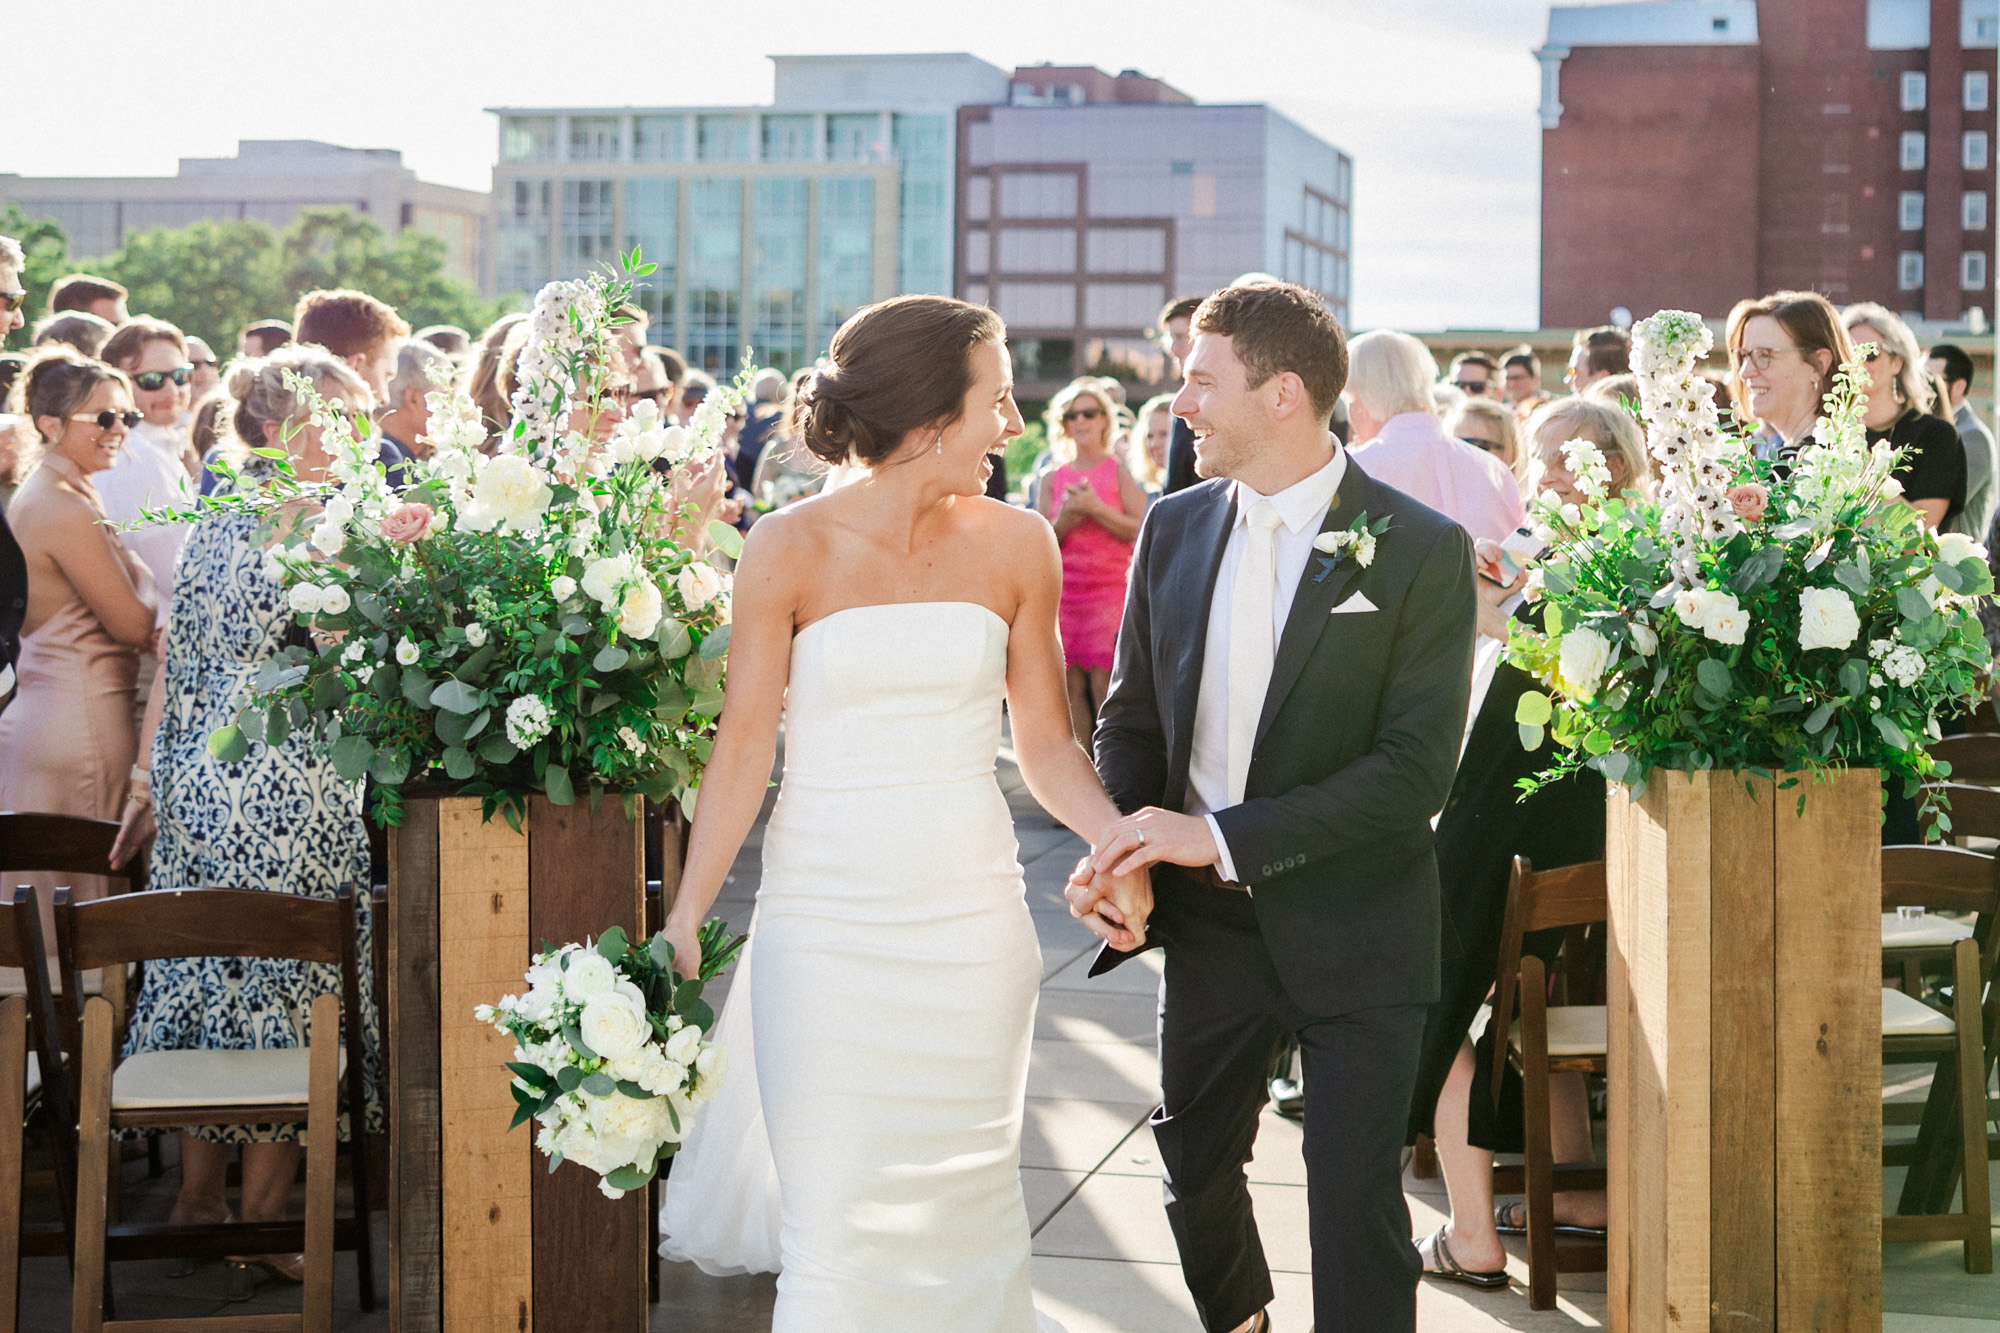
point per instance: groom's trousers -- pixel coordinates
(1223, 1012)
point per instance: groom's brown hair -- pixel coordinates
(1279, 326)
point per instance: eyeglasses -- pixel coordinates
(152, 380)
(106, 419)
(1472, 387)
(1760, 357)
(1490, 446)
(11, 301)
(1082, 414)
(658, 396)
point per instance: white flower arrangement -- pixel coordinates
(610, 1055)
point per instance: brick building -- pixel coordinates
(1695, 152)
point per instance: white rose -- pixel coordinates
(329, 537)
(562, 588)
(590, 974)
(1643, 639)
(1332, 543)
(1585, 654)
(304, 598)
(510, 491)
(333, 600)
(613, 1026)
(630, 1130)
(712, 1067)
(698, 584)
(1692, 606)
(406, 652)
(537, 1004)
(1954, 547)
(604, 580)
(1827, 619)
(639, 613)
(684, 1046)
(1729, 624)
(475, 635)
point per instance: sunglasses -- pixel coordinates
(201, 362)
(658, 396)
(11, 301)
(1082, 414)
(1472, 387)
(151, 380)
(1490, 446)
(106, 419)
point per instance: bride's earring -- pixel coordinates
(940, 442)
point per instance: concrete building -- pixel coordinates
(1696, 152)
(770, 224)
(268, 179)
(1086, 201)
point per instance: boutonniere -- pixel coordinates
(1357, 538)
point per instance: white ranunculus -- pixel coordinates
(475, 635)
(1644, 641)
(590, 974)
(685, 1045)
(1584, 656)
(639, 612)
(304, 598)
(407, 652)
(612, 1025)
(1954, 547)
(1827, 619)
(604, 580)
(333, 600)
(697, 583)
(562, 587)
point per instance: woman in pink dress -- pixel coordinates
(1095, 506)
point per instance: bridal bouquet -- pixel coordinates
(530, 621)
(1756, 617)
(609, 1058)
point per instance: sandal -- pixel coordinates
(1439, 1263)
(189, 1267)
(1503, 1215)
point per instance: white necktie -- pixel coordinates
(1252, 640)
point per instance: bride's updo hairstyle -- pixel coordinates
(895, 367)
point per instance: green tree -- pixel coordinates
(336, 247)
(208, 278)
(48, 259)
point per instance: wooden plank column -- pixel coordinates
(469, 901)
(1745, 1044)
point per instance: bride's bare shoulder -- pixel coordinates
(999, 521)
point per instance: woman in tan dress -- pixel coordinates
(68, 739)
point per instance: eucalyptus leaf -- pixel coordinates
(1714, 677)
(387, 681)
(391, 767)
(673, 638)
(351, 757)
(575, 625)
(475, 666)
(1912, 603)
(459, 764)
(600, 1085)
(456, 696)
(478, 722)
(568, 1077)
(497, 749)
(556, 783)
(1948, 575)
(1533, 709)
(328, 692)
(727, 539)
(1818, 718)
(716, 644)
(1854, 677)
(278, 728)
(1531, 737)
(613, 943)
(450, 727)
(228, 744)
(601, 701)
(609, 658)
(628, 1178)
(1891, 733)
(417, 687)
(708, 703)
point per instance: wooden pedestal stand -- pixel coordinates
(1745, 1053)
(481, 1236)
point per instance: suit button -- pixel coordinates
(1267, 872)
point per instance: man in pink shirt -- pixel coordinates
(1404, 445)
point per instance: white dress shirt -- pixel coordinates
(149, 474)
(1302, 507)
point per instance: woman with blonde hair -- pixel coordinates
(1095, 506)
(1147, 442)
(1489, 425)
(1613, 430)
(279, 819)
(68, 738)
(1900, 397)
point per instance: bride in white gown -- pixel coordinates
(892, 971)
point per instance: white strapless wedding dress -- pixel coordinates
(890, 1001)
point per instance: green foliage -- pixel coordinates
(47, 250)
(1022, 451)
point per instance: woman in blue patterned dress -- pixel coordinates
(280, 819)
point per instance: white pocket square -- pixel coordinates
(1358, 602)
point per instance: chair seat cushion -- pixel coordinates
(153, 1079)
(1926, 929)
(1903, 1016)
(1574, 1029)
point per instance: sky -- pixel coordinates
(1434, 99)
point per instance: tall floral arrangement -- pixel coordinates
(534, 620)
(1758, 616)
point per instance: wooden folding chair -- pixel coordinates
(1544, 1040)
(175, 1089)
(29, 1052)
(1953, 880)
(1974, 758)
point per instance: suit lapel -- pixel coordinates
(1313, 604)
(1191, 586)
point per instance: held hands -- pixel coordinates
(1111, 890)
(1112, 907)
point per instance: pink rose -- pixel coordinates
(406, 523)
(1748, 500)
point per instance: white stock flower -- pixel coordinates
(698, 584)
(527, 721)
(613, 1025)
(562, 587)
(1904, 665)
(537, 1004)
(406, 652)
(1955, 547)
(354, 651)
(510, 492)
(1586, 464)
(711, 1068)
(639, 612)
(475, 635)
(590, 974)
(1827, 619)
(1584, 656)
(1364, 549)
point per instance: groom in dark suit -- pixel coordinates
(1284, 718)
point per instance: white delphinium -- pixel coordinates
(541, 402)
(455, 424)
(1684, 435)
